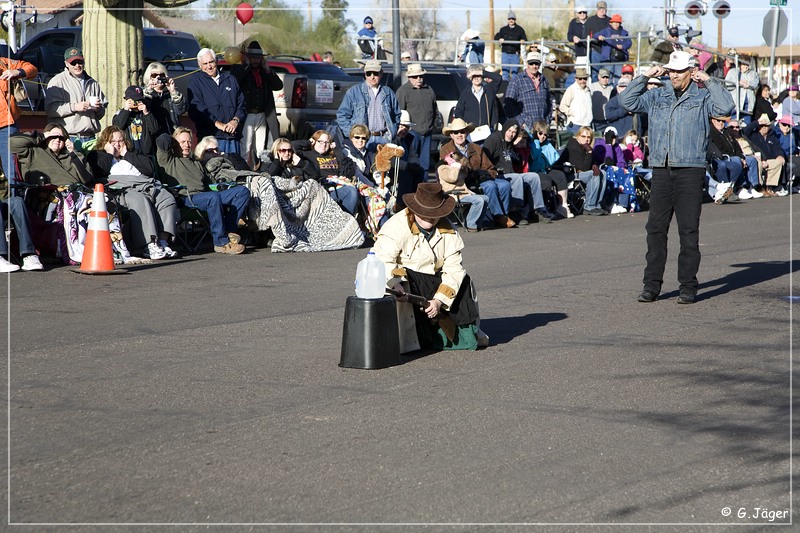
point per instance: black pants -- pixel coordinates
(676, 191)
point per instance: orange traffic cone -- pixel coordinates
(98, 257)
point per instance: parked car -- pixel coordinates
(446, 83)
(312, 93)
(177, 50)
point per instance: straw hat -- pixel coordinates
(458, 124)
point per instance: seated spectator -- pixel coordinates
(13, 207)
(137, 121)
(299, 212)
(478, 104)
(452, 178)
(789, 138)
(543, 155)
(50, 157)
(577, 155)
(729, 163)
(763, 138)
(152, 210)
(576, 104)
(178, 167)
(763, 105)
(633, 149)
(791, 105)
(526, 189)
(607, 153)
(327, 165)
(163, 98)
(374, 194)
(480, 171)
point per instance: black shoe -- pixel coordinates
(596, 212)
(523, 222)
(687, 297)
(545, 216)
(648, 296)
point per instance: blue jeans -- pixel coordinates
(477, 208)
(6, 157)
(499, 193)
(595, 59)
(346, 196)
(526, 191)
(509, 71)
(229, 146)
(422, 145)
(222, 220)
(752, 170)
(16, 207)
(595, 189)
(728, 170)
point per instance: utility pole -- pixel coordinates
(310, 23)
(491, 30)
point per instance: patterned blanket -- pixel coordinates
(303, 217)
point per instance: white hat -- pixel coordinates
(469, 33)
(405, 119)
(610, 128)
(405, 55)
(680, 60)
(581, 8)
(533, 56)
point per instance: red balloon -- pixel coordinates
(244, 12)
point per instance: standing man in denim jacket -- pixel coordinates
(679, 126)
(372, 104)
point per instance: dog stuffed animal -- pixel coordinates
(383, 159)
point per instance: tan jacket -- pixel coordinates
(400, 245)
(63, 91)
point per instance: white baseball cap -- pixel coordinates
(680, 60)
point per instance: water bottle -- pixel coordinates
(370, 277)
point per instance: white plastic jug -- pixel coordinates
(370, 277)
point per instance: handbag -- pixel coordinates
(480, 133)
(618, 55)
(18, 90)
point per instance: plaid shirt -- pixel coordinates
(524, 103)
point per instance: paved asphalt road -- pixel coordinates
(207, 390)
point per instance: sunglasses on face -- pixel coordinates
(582, 12)
(320, 141)
(373, 74)
(458, 132)
(56, 138)
(360, 137)
(414, 77)
(285, 150)
(534, 63)
(77, 62)
(543, 134)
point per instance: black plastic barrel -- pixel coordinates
(370, 338)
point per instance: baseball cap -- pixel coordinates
(71, 54)
(602, 5)
(134, 93)
(533, 56)
(581, 9)
(627, 69)
(405, 55)
(680, 60)
(786, 119)
(604, 73)
(367, 20)
(673, 31)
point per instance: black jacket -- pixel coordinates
(488, 111)
(721, 145)
(576, 155)
(576, 29)
(501, 152)
(770, 147)
(257, 99)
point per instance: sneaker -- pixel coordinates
(234, 238)
(5, 266)
(154, 251)
(723, 196)
(744, 194)
(545, 215)
(31, 262)
(755, 194)
(618, 210)
(230, 248)
(782, 192)
(564, 212)
(167, 250)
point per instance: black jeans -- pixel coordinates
(678, 191)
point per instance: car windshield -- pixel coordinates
(169, 48)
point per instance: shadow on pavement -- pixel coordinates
(506, 329)
(750, 274)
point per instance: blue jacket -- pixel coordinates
(355, 106)
(621, 37)
(618, 117)
(542, 156)
(790, 143)
(678, 127)
(209, 102)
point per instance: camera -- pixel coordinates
(162, 79)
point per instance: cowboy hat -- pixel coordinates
(458, 124)
(405, 119)
(429, 201)
(764, 120)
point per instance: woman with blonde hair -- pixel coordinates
(163, 98)
(325, 164)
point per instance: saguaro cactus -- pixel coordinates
(112, 45)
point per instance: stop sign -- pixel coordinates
(771, 36)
